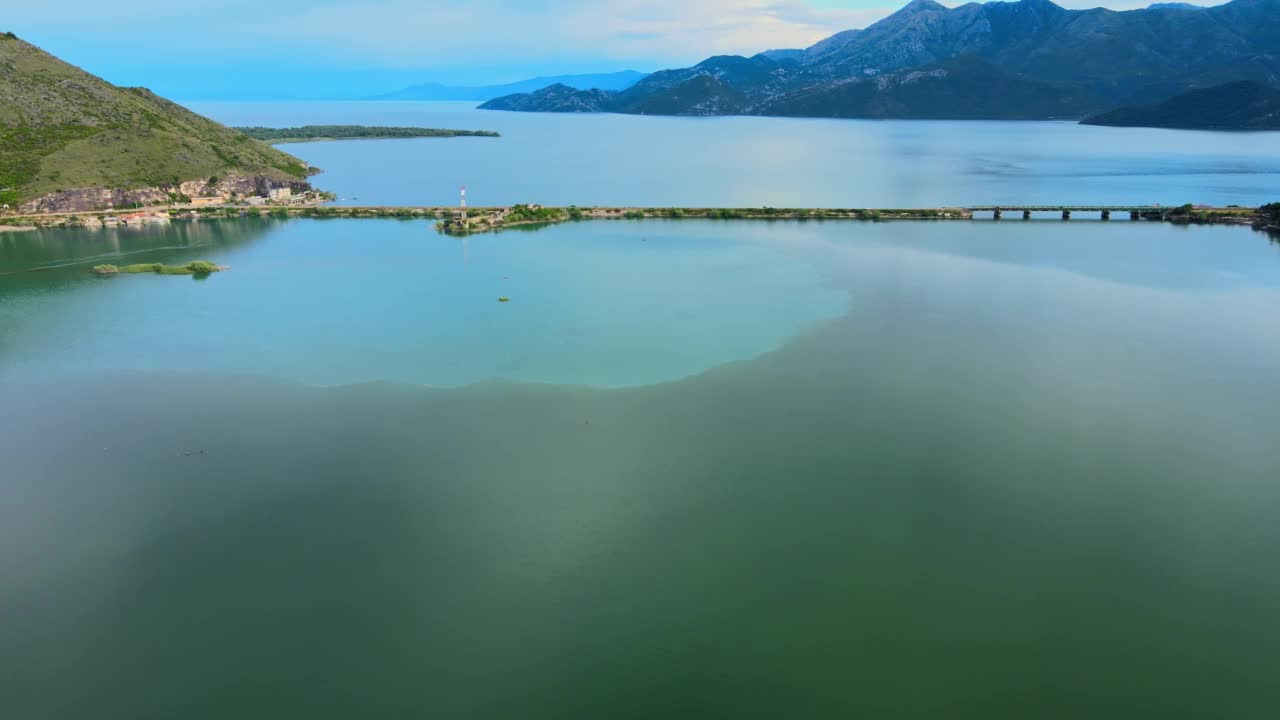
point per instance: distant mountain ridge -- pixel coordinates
(620, 80)
(1242, 105)
(1051, 63)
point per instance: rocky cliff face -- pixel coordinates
(90, 199)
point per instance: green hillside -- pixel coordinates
(62, 128)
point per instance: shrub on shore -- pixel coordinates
(202, 267)
(530, 213)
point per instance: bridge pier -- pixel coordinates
(1136, 212)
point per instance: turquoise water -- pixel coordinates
(910, 470)
(780, 162)
(338, 302)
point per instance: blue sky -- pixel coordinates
(337, 48)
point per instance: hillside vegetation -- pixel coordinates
(62, 128)
(1240, 105)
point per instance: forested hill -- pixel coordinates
(1240, 105)
(64, 131)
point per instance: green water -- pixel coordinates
(1026, 470)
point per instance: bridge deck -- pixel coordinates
(1072, 208)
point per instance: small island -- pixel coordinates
(195, 267)
(318, 133)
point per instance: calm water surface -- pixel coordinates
(752, 162)
(325, 302)
(917, 470)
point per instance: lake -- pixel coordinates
(339, 302)
(691, 468)
(627, 160)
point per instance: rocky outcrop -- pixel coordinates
(87, 199)
(1271, 226)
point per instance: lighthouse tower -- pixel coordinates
(463, 204)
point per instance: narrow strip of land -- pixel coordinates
(454, 221)
(318, 133)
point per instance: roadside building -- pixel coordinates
(281, 193)
(207, 200)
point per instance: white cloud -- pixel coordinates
(405, 32)
(412, 33)
(422, 34)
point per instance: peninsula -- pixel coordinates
(316, 133)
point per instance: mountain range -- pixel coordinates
(435, 91)
(998, 60)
